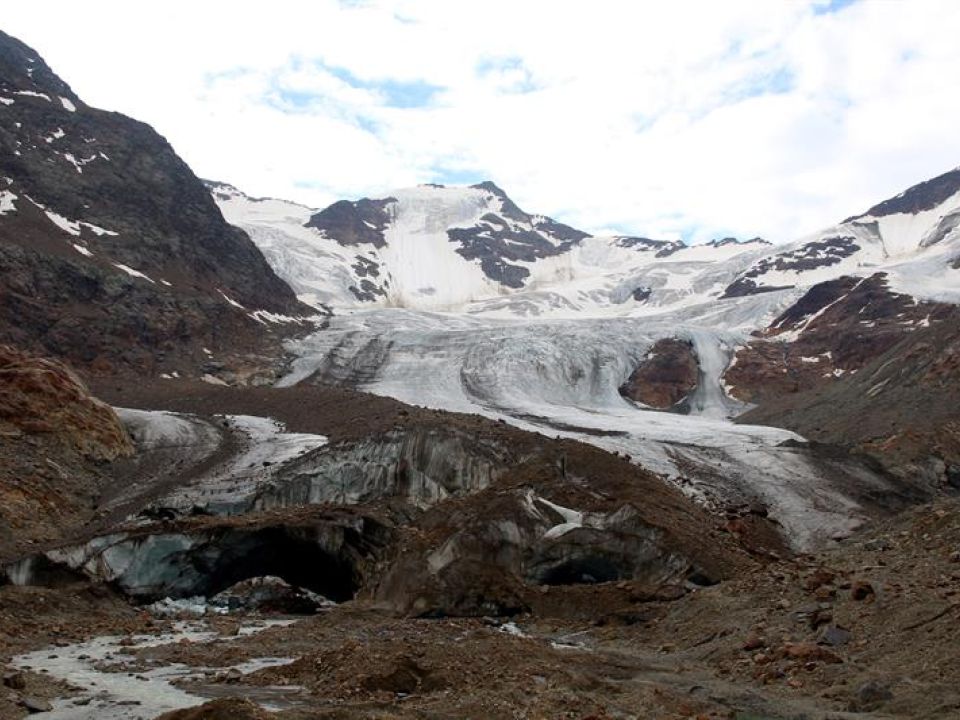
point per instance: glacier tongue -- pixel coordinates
(561, 377)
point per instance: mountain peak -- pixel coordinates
(24, 73)
(101, 220)
(917, 198)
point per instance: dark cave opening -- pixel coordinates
(586, 569)
(296, 557)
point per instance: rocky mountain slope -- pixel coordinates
(112, 253)
(54, 437)
(899, 406)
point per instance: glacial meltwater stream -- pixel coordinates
(110, 689)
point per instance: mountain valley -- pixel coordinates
(430, 455)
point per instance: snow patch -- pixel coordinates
(264, 316)
(61, 222)
(67, 104)
(82, 250)
(231, 300)
(97, 230)
(31, 93)
(131, 272)
(6, 202)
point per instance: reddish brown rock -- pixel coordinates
(809, 652)
(830, 333)
(55, 438)
(40, 396)
(669, 374)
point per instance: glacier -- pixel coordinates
(549, 356)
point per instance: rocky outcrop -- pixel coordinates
(899, 408)
(811, 256)
(857, 366)
(112, 252)
(44, 396)
(667, 376)
(221, 709)
(54, 440)
(835, 329)
(355, 223)
(499, 241)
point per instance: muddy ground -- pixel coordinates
(868, 630)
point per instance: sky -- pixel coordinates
(692, 120)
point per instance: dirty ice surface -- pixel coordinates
(561, 378)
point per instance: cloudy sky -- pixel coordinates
(665, 119)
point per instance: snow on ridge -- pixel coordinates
(132, 272)
(265, 316)
(230, 300)
(74, 226)
(97, 230)
(419, 268)
(32, 93)
(61, 222)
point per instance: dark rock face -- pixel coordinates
(93, 191)
(667, 376)
(723, 242)
(355, 223)
(662, 248)
(367, 271)
(813, 255)
(497, 245)
(497, 241)
(924, 196)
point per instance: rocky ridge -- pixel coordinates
(112, 253)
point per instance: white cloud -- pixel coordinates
(687, 118)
